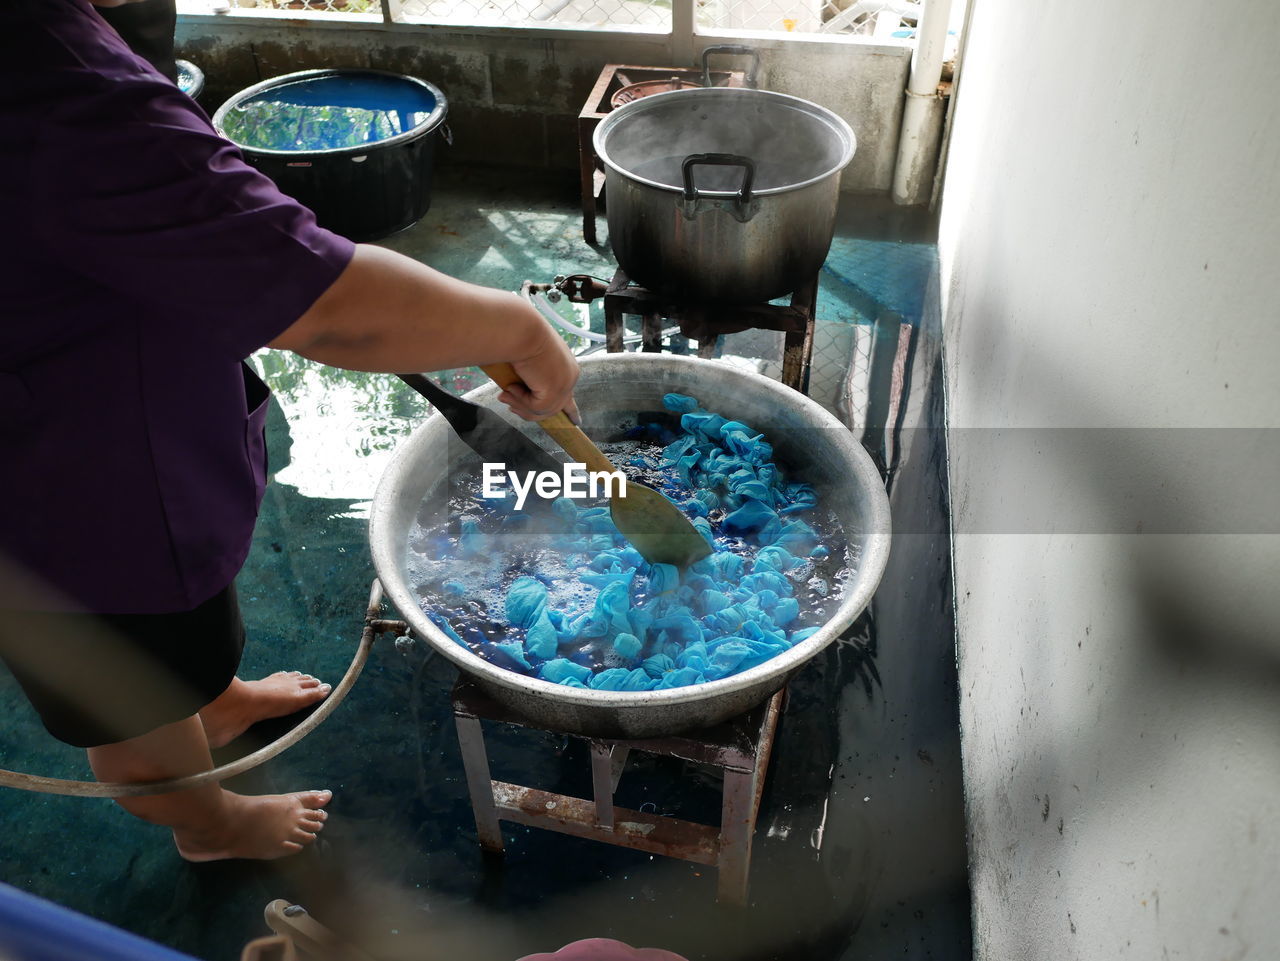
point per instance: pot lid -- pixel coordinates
(791, 142)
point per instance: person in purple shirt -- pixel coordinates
(147, 26)
(141, 262)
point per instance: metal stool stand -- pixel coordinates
(740, 746)
(706, 323)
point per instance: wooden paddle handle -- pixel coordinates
(560, 428)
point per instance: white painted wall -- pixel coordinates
(1109, 245)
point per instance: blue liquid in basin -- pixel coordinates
(190, 78)
(329, 112)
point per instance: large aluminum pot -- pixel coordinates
(722, 195)
(612, 389)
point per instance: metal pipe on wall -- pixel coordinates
(922, 114)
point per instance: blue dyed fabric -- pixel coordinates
(527, 608)
(652, 626)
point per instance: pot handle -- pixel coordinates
(718, 160)
(738, 49)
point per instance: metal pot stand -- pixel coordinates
(705, 323)
(741, 747)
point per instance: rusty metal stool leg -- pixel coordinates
(607, 761)
(651, 333)
(475, 760)
(737, 827)
(587, 178)
(615, 327)
(797, 352)
(740, 806)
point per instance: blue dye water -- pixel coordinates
(559, 594)
(330, 112)
(186, 78)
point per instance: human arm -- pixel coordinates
(387, 312)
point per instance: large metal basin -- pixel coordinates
(612, 388)
(683, 218)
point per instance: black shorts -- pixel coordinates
(99, 679)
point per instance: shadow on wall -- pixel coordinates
(1146, 652)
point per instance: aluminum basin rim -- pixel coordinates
(434, 119)
(821, 114)
(874, 558)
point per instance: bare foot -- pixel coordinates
(262, 827)
(246, 702)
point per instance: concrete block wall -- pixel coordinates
(514, 98)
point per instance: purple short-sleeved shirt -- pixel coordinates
(141, 260)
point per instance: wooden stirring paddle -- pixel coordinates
(654, 525)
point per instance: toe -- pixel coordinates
(315, 799)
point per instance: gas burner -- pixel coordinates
(704, 323)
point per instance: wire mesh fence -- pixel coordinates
(581, 13)
(529, 13)
(311, 6)
(870, 18)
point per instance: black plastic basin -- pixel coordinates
(356, 146)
